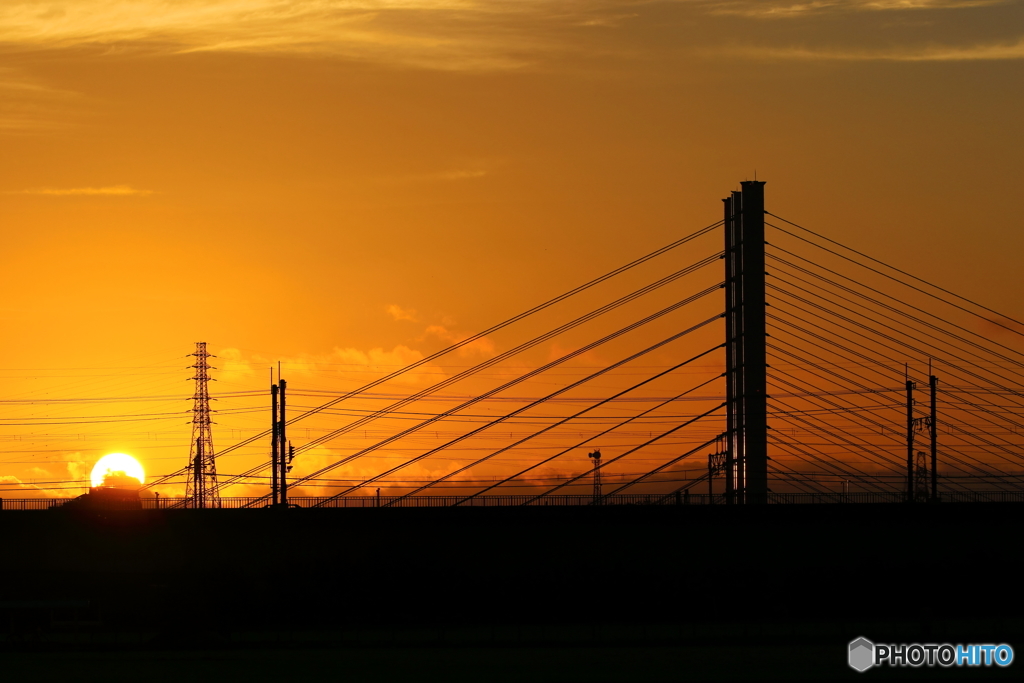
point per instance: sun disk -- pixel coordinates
(116, 466)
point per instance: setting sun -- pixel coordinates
(116, 465)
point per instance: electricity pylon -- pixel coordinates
(201, 491)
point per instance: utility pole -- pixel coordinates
(910, 440)
(717, 462)
(282, 449)
(596, 457)
(933, 383)
(198, 497)
(921, 479)
(274, 498)
(711, 478)
(201, 486)
(917, 472)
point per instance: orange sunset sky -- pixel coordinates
(347, 185)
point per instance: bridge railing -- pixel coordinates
(567, 500)
(32, 503)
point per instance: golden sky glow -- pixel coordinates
(348, 185)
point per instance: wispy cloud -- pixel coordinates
(399, 313)
(481, 347)
(27, 104)
(460, 175)
(872, 30)
(112, 191)
(348, 366)
(233, 366)
(924, 4)
(608, 20)
(453, 175)
(447, 34)
(9, 482)
(457, 35)
(789, 8)
(982, 52)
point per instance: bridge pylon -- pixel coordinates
(746, 351)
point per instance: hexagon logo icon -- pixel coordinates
(862, 654)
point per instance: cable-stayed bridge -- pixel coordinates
(802, 371)
(625, 484)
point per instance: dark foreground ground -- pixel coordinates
(491, 594)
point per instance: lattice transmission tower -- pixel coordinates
(201, 490)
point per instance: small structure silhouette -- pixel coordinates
(596, 457)
(117, 492)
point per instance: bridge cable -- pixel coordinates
(588, 440)
(633, 450)
(480, 366)
(585, 410)
(547, 304)
(532, 373)
(903, 272)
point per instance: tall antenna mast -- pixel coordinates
(201, 491)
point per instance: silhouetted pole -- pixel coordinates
(753, 460)
(910, 441)
(197, 474)
(274, 447)
(711, 478)
(596, 457)
(282, 460)
(291, 456)
(933, 383)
